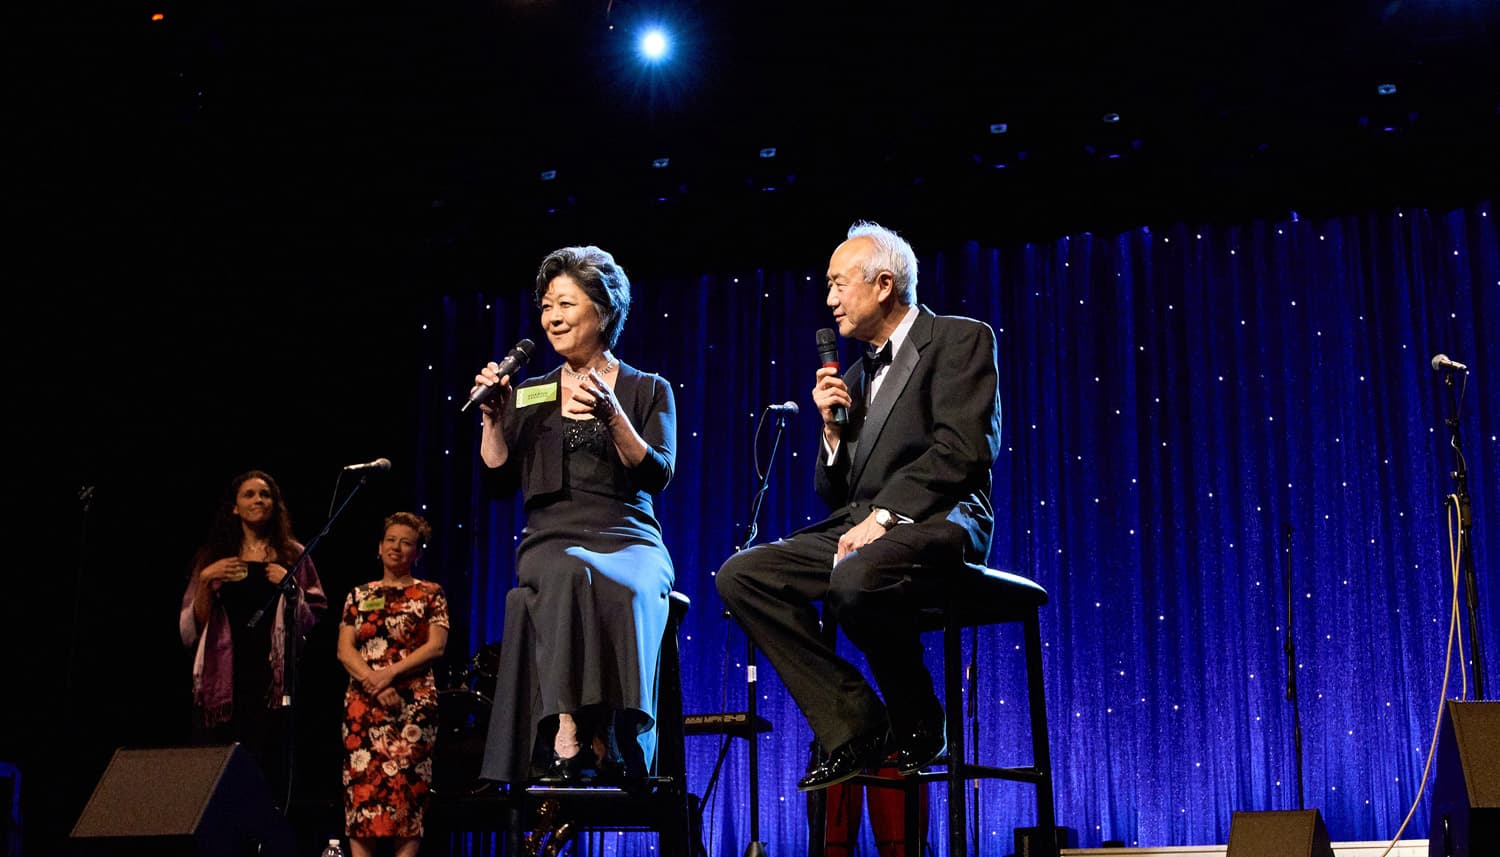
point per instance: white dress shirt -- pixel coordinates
(898, 337)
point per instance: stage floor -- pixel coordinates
(1406, 848)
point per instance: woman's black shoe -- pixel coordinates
(572, 771)
(613, 772)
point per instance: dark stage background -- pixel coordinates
(283, 236)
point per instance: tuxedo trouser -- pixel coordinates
(872, 594)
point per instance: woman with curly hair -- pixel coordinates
(392, 631)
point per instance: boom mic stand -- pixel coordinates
(757, 848)
(288, 588)
(1460, 499)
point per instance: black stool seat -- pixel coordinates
(983, 597)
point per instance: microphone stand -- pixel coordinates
(1291, 665)
(85, 512)
(756, 848)
(1460, 499)
(287, 588)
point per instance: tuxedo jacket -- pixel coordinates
(924, 448)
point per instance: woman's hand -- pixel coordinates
(490, 376)
(228, 568)
(593, 396)
(275, 572)
(390, 699)
(493, 450)
(378, 680)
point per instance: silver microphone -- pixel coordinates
(1443, 361)
(381, 464)
(783, 408)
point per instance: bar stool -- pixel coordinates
(973, 599)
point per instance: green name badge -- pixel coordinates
(536, 395)
(374, 602)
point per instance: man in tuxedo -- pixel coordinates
(907, 477)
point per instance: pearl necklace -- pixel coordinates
(584, 376)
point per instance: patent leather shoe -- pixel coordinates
(919, 746)
(574, 770)
(853, 757)
(613, 771)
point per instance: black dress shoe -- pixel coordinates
(576, 770)
(920, 746)
(615, 772)
(845, 763)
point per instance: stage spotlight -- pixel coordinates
(660, 163)
(1110, 118)
(998, 146)
(548, 175)
(654, 45)
(768, 152)
(1386, 89)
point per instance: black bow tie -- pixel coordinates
(873, 360)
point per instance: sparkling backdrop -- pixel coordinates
(1174, 399)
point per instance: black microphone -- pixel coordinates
(1443, 361)
(783, 408)
(828, 354)
(518, 357)
(381, 464)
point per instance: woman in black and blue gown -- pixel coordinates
(587, 445)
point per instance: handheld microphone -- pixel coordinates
(828, 354)
(1443, 361)
(783, 408)
(381, 464)
(518, 357)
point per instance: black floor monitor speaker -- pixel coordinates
(1466, 795)
(1287, 833)
(185, 802)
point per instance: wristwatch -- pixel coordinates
(886, 518)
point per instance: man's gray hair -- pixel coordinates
(892, 253)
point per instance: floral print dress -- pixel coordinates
(388, 766)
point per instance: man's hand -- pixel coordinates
(827, 393)
(859, 535)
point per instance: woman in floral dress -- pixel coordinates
(391, 632)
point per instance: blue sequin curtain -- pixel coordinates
(1181, 407)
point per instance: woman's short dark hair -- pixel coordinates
(413, 520)
(601, 278)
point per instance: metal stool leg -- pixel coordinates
(953, 709)
(1040, 744)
